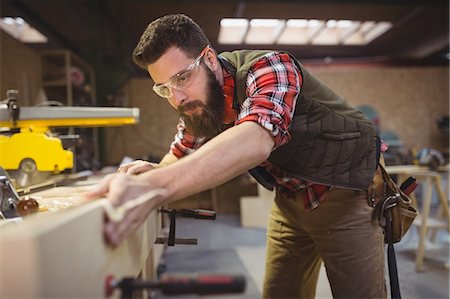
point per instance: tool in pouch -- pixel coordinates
(396, 214)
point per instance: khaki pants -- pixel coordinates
(340, 232)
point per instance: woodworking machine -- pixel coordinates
(30, 151)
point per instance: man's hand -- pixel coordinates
(137, 167)
(120, 188)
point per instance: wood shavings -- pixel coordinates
(60, 198)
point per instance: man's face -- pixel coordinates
(201, 103)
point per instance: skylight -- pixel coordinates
(21, 30)
(264, 31)
(300, 31)
(232, 31)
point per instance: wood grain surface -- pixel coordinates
(63, 254)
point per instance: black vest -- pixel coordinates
(332, 142)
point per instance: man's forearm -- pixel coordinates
(219, 160)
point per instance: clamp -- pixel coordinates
(187, 213)
(8, 196)
(178, 284)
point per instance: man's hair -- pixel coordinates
(169, 31)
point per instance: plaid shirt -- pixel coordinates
(273, 85)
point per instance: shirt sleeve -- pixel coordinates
(184, 143)
(273, 85)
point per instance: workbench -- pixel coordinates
(429, 179)
(63, 254)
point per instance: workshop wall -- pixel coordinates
(20, 68)
(408, 99)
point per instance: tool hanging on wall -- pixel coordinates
(187, 213)
(173, 284)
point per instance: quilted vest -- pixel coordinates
(332, 143)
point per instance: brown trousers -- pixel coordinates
(340, 232)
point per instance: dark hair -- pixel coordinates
(168, 31)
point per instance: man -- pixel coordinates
(263, 111)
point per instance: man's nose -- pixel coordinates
(178, 97)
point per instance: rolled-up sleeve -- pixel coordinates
(273, 85)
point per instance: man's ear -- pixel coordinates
(211, 60)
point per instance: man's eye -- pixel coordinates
(184, 78)
(164, 90)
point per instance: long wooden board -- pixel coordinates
(63, 254)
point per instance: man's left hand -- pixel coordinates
(120, 188)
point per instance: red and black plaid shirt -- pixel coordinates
(273, 85)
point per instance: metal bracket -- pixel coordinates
(8, 196)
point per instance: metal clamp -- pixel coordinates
(197, 214)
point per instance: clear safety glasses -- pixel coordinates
(182, 80)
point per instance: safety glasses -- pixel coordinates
(182, 80)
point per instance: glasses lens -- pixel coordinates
(182, 80)
(162, 91)
(185, 79)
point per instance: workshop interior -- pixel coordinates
(74, 107)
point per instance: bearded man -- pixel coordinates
(263, 112)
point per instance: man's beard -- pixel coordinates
(207, 123)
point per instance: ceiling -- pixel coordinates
(105, 32)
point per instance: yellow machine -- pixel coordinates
(34, 148)
(28, 148)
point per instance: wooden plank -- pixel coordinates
(63, 254)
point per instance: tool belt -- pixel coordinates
(395, 210)
(395, 214)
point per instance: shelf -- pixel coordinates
(60, 69)
(68, 79)
(52, 83)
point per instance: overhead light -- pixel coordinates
(232, 31)
(21, 30)
(264, 31)
(367, 32)
(299, 31)
(335, 32)
(379, 29)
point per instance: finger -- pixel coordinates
(129, 225)
(139, 168)
(109, 233)
(123, 168)
(117, 232)
(100, 189)
(131, 170)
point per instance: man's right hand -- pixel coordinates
(137, 167)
